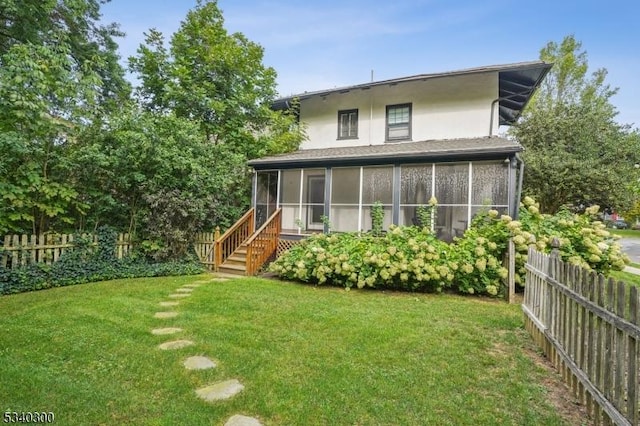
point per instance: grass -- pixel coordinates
(627, 277)
(627, 233)
(306, 355)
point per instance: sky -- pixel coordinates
(316, 45)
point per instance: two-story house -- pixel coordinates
(400, 142)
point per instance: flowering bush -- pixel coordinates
(583, 240)
(412, 258)
(406, 258)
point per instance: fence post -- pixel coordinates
(552, 269)
(511, 277)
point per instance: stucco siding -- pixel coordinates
(442, 108)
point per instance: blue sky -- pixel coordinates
(319, 45)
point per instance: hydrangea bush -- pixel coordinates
(412, 258)
(407, 258)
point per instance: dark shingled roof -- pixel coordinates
(399, 152)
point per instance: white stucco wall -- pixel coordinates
(442, 108)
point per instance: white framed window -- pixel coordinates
(398, 122)
(348, 124)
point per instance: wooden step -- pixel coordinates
(235, 260)
(232, 269)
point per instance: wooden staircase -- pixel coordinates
(241, 251)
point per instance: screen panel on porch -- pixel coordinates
(415, 191)
(290, 199)
(302, 199)
(345, 198)
(266, 195)
(452, 192)
(461, 189)
(377, 186)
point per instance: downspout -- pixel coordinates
(493, 108)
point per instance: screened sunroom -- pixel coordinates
(336, 187)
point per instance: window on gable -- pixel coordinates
(398, 122)
(348, 124)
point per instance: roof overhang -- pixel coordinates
(446, 150)
(517, 83)
(516, 87)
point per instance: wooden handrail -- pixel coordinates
(234, 237)
(263, 243)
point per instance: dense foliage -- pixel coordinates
(80, 152)
(576, 153)
(88, 263)
(412, 258)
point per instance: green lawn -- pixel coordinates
(306, 356)
(627, 233)
(627, 277)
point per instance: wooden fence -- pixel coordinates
(589, 328)
(204, 247)
(21, 250)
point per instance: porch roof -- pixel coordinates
(388, 153)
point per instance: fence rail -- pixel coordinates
(21, 250)
(589, 328)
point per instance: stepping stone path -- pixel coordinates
(165, 314)
(198, 363)
(220, 391)
(240, 420)
(162, 331)
(176, 344)
(179, 295)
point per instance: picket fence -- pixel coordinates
(589, 328)
(21, 250)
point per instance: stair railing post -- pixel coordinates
(217, 254)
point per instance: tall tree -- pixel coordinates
(576, 154)
(58, 70)
(217, 79)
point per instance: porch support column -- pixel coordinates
(360, 200)
(278, 189)
(327, 198)
(254, 194)
(514, 203)
(470, 195)
(395, 209)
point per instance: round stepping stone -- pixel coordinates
(220, 391)
(184, 290)
(165, 315)
(193, 285)
(179, 295)
(198, 363)
(169, 330)
(169, 304)
(176, 344)
(240, 420)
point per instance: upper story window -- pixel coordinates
(348, 124)
(398, 122)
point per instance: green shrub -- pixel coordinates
(412, 258)
(404, 258)
(89, 263)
